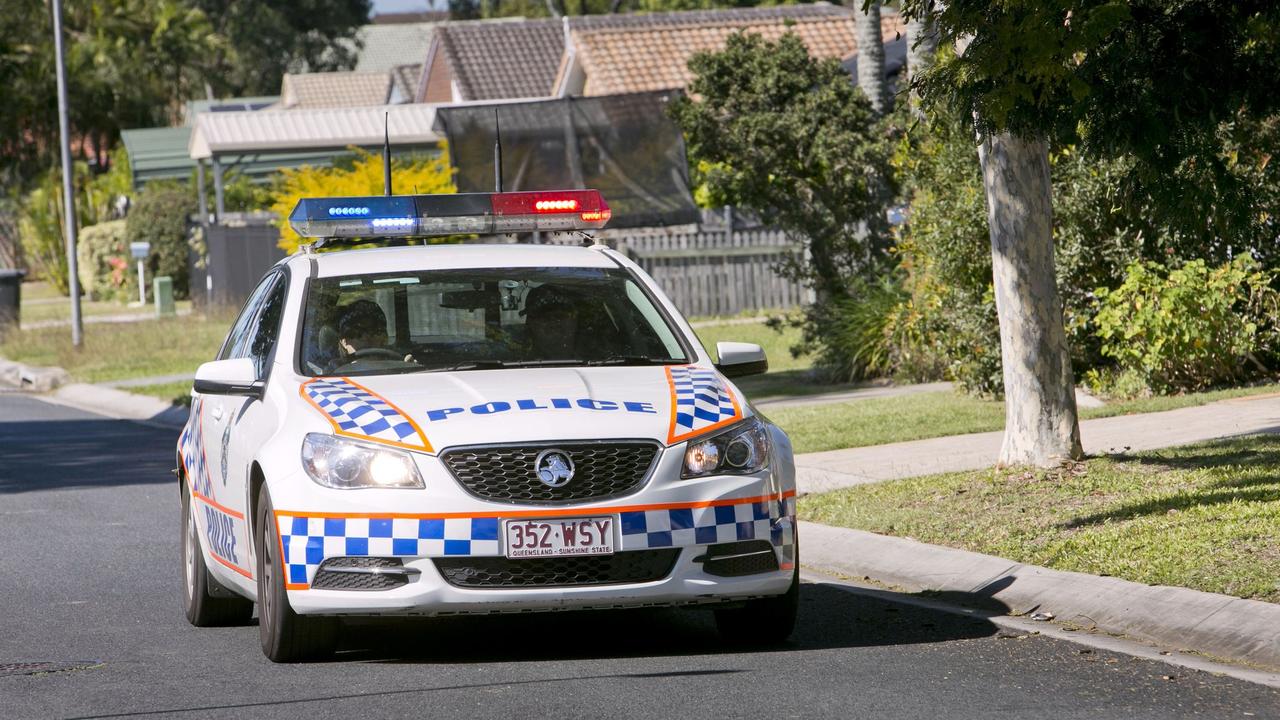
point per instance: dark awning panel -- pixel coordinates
(625, 146)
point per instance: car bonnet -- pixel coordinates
(434, 411)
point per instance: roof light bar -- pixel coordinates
(463, 213)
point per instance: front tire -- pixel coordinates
(767, 621)
(286, 636)
(202, 608)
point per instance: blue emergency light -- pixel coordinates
(462, 213)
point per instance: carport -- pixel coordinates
(223, 140)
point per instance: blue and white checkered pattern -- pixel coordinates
(357, 412)
(783, 536)
(191, 447)
(644, 529)
(702, 400)
(307, 542)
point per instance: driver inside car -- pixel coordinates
(362, 334)
(551, 317)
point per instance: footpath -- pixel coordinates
(834, 469)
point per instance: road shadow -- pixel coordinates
(831, 617)
(40, 455)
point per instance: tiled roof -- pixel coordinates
(629, 59)
(335, 89)
(517, 58)
(405, 80)
(723, 16)
(387, 46)
(496, 59)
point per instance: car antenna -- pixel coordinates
(497, 153)
(386, 153)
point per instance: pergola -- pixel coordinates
(225, 139)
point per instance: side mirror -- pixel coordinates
(229, 377)
(741, 359)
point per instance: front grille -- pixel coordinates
(497, 572)
(329, 579)
(739, 558)
(506, 473)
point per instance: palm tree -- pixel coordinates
(866, 20)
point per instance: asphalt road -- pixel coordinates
(89, 582)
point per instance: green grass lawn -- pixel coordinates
(40, 303)
(118, 351)
(38, 290)
(1203, 516)
(877, 421)
(777, 345)
(788, 376)
(178, 393)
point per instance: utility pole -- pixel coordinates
(68, 180)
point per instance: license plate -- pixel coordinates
(552, 538)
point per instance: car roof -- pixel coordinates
(456, 257)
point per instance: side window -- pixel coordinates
(267, 329)
(233, 346)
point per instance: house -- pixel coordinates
(335, 90)
(610, 54)
(381, 48)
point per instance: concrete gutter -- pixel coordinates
(119, 404)
(1226, 627)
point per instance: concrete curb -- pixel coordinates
(30, 377)
(119, 404)
(1176, 618)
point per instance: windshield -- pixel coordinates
(482, 319)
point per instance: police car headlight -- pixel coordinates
(742, 449)
(334, 462)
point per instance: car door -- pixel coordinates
(250, 421)
(225, 519)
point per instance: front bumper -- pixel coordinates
(430, 595)
(316, 524)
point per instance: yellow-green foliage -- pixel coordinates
(420, 176)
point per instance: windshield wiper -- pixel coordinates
(634, 360)
(496, 364)
(469, 365)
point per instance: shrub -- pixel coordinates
(1185, 328)
(947, 325)
(423, 175)
(849, 334)
(160, 217)
(40, 223)
(40, 231)
(105, 263)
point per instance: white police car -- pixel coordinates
(452, 429)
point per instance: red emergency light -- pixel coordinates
(480, 213)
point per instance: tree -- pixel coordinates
(361, 175)
(866, 23)
(776, 131)
(267, 38)
(1149, 77)
(922, 48)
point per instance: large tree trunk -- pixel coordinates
(871, 55)
(922, 50)
(1040, 406)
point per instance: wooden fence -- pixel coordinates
(712, 270)
(715, 271)
(709, 270)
